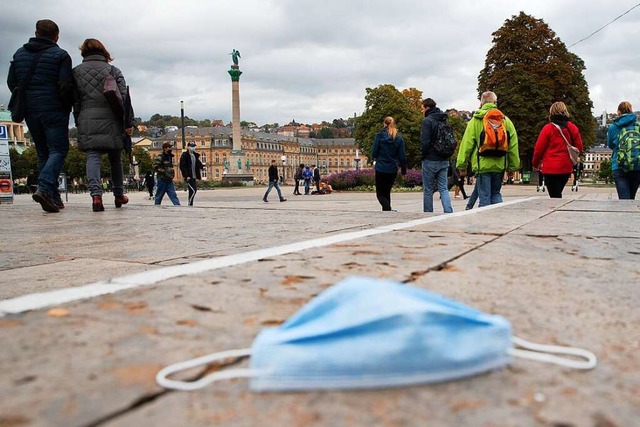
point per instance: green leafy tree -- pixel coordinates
(605, 171)
(142, 156)
(75, 164)
(380, 102)
(530, 68)
(326, 133)
(29, 159)
(19, 165)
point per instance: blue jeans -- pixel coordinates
(435, 170)
(50, 134)
(626, 183)
(94, 164)
(271, 185)
(473, 197)
(489, 186)
(307, 185)
(170, 189)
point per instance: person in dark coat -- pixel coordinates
(316, 177)
(273, 182)
(297, 177)
(49, 97)
(149, 182)
(191, 167)
(389, 154)
(100, 130)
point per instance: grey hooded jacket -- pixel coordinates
(98, 127)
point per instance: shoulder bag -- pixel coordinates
(18, 102)
(574, 153)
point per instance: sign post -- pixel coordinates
(6, 180)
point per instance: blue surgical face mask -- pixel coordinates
(192, 149)
(369, 333)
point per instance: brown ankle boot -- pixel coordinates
(97, 204)
(121, 200)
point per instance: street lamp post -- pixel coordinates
(284, 164)
(182, 119)
(357, 160)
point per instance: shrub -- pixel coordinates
(363, 179)
(350, 179)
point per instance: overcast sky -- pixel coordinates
(311, 60)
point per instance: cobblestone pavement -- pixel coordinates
(92, 305)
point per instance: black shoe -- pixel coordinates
(283, 199)
(48, 205)
(265, 200)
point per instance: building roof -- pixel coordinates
(226, 131)
(5, 116)
(600, 149)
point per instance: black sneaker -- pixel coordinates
(45, 201)
(265, 200)
(283, 199)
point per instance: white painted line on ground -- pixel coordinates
(41, 300)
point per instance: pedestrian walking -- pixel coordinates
(297, 177)
(389, 154)
(623, 137)
(163, 166)
(490, 143)
(273, 182)
(550, 154)
(191, 167)
(149, 182)
(307, 176)
(42, 71)
(100, 129)
(316, 177)
(435, 164)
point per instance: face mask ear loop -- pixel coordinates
(163, 381)
(540, 352)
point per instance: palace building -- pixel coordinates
(215, 143)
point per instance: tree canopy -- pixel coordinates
(385, 100)
(529, 68)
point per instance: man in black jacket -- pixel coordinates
(273, 182)
(316, 177)
(190, 167)
(49, 100)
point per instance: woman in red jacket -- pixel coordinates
(550, 154)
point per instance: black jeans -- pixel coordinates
(384, 183)
(555, 184)
(626, 183)
(192, 185)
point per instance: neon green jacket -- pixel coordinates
(468, 151)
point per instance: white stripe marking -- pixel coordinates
(40, 300)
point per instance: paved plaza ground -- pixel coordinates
(93, 305)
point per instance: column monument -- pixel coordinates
(238, 167)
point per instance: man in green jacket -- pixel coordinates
(489, 170)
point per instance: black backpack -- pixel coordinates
(445, 143)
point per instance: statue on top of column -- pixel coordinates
(234, 56)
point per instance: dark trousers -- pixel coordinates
(297, 189)
(555, 184)
(384, 184)
(627, 183)
(192, 186)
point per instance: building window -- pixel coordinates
(217, 158)
(203, 158)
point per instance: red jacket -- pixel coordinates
(550, 154)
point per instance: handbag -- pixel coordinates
(18, 101)
(574, 153)
(112, 94)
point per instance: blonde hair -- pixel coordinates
(559, 109)
(92, 46)
(390, 124)
(625, 107)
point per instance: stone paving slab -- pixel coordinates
(555, 283)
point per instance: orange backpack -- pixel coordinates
(494, 138)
